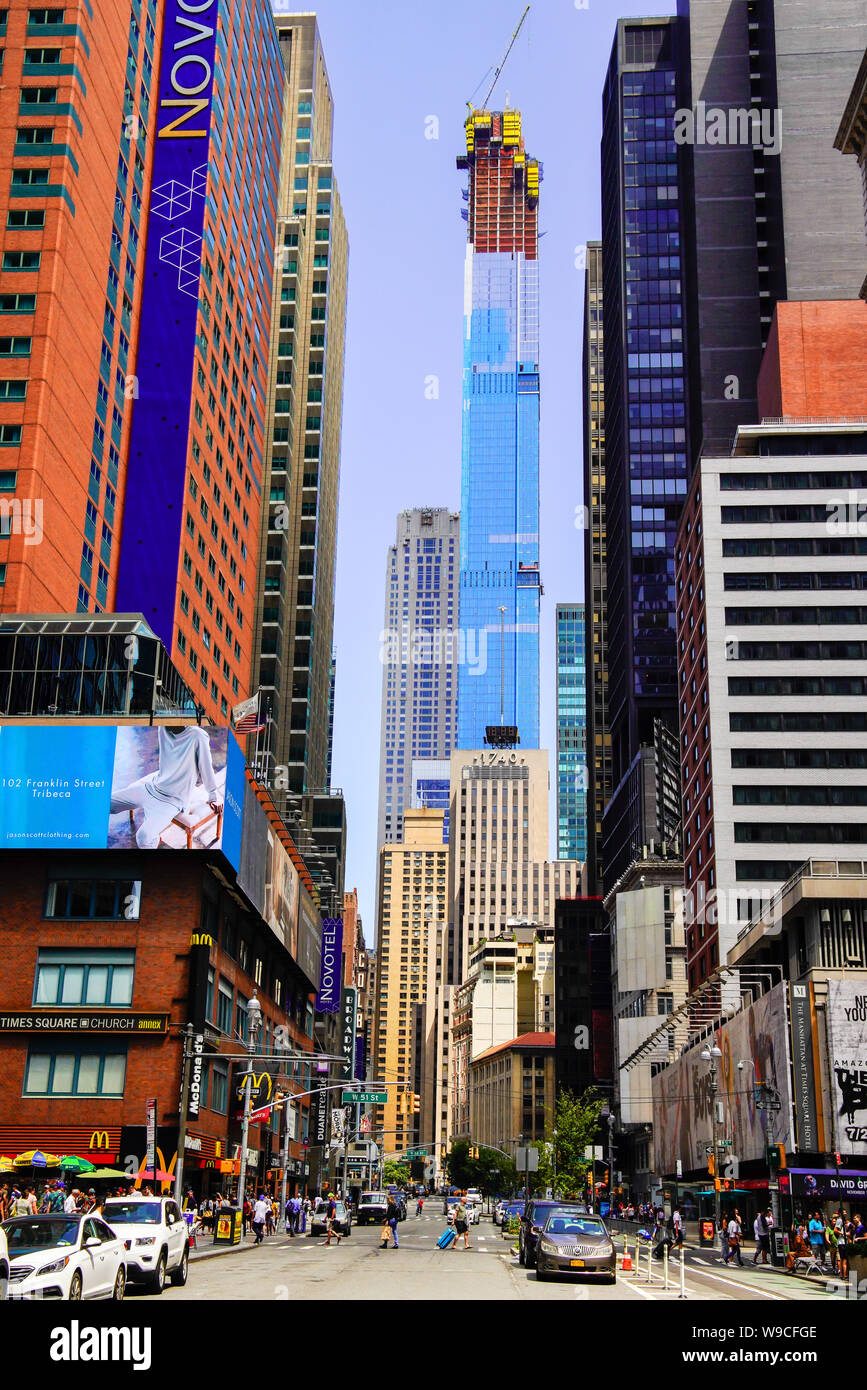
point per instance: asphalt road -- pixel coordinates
(303, 1269)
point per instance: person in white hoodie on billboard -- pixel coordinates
(185, 778)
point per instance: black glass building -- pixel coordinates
(646, 380)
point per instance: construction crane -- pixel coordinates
(502, 63)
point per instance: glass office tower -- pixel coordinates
(498, 680)
(646, 416)
(572, 778)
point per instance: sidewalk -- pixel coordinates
(206, 1249)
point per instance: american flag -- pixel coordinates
(246, 718)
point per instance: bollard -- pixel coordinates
(682, 1293)
(665, 1265)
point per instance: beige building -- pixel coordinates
(499, 874)
(512, 1092)
(410, 916)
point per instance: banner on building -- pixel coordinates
(682, 1123)
(847, 1043)
(328, 997)
(154, 505)
(804, 1068)
(121, 787)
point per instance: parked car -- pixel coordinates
(156, 1237)
(532, 1222)
(372, 1207)
(342, 1219)
(511, 1213)
(474, 1210)
(64, 1256)
(574, 1243)
(474, 1195)
(498, 1211)
(449, 1208)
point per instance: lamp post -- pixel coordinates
(710, 1055)
(254, 1020)
(608, 1114)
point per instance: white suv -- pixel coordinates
(156, 1237)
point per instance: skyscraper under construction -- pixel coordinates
(499, 576)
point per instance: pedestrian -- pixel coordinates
(462, 1225)
(269, 1217)
(206, 1212)
(330, 1216)
(677, 1227)
(297, 1214)
(305, 1212)
(816, 1235)
(4, 1201)
(20, 1205)
(287, 1217)
(247, 1216)
(841, 1231)
(260, 1213)
(390, 1223)
(760, 1231)
(70, 1206)
(419, 1206)
(734, 1232)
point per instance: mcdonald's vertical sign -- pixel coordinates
(151, 1126)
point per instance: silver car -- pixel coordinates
(570, 1243)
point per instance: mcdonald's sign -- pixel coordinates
(99, 1139)
(261, 1087)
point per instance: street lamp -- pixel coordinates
(254, 1021)
(608, 1114)
(710, 1055)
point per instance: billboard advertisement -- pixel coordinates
(682, 1124)
(131, 787)
(309, 937)
(847, 1042)
(153, 508)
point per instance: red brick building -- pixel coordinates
(813, 365)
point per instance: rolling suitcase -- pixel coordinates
(446, 1239)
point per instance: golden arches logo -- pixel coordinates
(256, 1083)
(99, 1139)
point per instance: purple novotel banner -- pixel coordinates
(159, 438)
(328, 998)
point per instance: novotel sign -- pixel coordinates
(159, 437)
(188, 65)
(328, 998)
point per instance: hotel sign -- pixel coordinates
(328, 998)
(119, 1021)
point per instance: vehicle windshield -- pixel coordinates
(47, 1233)
(373, 1198)
(133, 1213)
(514, 1208)
(568, 1223)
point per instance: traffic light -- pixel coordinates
(711, 1165)
(416, 1102)
(776, 1156)
(838, 1159)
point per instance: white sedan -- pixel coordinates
(64, 1256)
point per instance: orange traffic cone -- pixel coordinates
(626, 1266)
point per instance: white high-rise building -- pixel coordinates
(420, 653)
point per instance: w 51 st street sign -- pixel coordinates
(364, 1097)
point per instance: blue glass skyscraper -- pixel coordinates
(499, 576)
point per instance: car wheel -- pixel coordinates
(119, 1285)
(158, 1278)
(541, 1275)
(179, 1275)
(75, 1288)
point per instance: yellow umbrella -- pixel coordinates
(35, 1158)
(6, 1164)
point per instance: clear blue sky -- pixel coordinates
(392, 65)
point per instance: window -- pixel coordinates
(224, 1006)
(21, 260)
(220, 1087)
(38, 96)
(109, 899)
(10, 435)
(17, 303)
(26, 217)
(98, 978)
(84, 1071)
(15, 347)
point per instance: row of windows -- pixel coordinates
(754, 617)
(799, 796)
(800, 833)
(757, 482)
(798, 685)
(800, 721)
(802, 545)
(798, 651)
(799, 757)
(797, 580)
